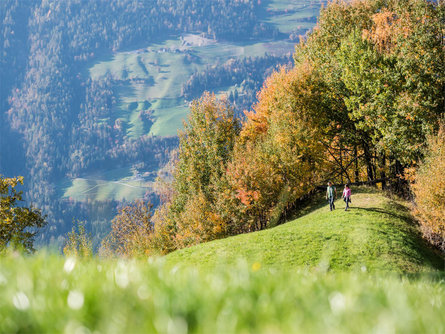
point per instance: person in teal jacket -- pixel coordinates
(331, 194)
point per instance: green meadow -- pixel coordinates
(362, 271)
(152, 78)
(118, 184)
(289, 15)
(376, 234)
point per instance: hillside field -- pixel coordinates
(152, 77)
(120, 184)
(362, 271)
(376, 234)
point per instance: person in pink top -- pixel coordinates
(347, 196)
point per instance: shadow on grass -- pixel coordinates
(413, 238)
(405, 218)
(304, 206)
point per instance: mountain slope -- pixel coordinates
(376, 234)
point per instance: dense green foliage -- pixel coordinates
(383, 64)
(376, 234)
(18, 224)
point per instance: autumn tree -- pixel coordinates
(131, 231)
(429, 190)
(383, 63)
(205, 148)
(279, 155)
(18, 224)
(78, 242)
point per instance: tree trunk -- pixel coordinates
(341, 164)
(383, 173)
(357, 173)
(368, 161)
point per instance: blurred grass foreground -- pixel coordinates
(50, 294)
(362, 271)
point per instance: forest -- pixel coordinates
(214, 220)
(248, 74)
(52, 114)
(359, 105)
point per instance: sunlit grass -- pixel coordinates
(52, 294)
(361, 271)
(376, 234)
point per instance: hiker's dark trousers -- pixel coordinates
(331, 203)
(347, 200)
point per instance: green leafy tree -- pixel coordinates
(205, 148)
(18, 224)
(383, 62)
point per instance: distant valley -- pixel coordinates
(98, 117)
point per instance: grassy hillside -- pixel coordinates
(274, 281)
(376, 234)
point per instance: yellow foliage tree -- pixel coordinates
(131, 231)
(79, 243)
(18, 224)
(205, 148)
(429, 190)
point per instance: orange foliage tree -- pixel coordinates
(279, 155)
(429, 190)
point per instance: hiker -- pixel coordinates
(347, 196)
(331, 194)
